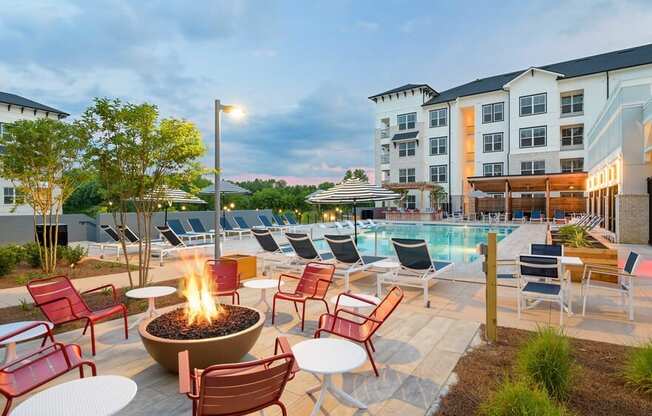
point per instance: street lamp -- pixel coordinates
(237, 112)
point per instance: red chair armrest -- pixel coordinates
(24, 359)
(115, 299)
(26, 328)
(351, 295)
(280, 279)
(359, 315)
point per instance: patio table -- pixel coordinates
(326, 357)
(97, 396)
(386, 266)
(262, 285)
(150, 293)
(10, 343)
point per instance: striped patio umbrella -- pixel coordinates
(168, 196)
(353, 191)
(226, 187)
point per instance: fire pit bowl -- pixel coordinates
(226, 340)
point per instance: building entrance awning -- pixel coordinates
(575, 181)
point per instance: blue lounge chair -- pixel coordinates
(266, 223)
(290, 219)
(536, 216)
(518, 216)
(559, 217)
(228, 229)
(418, 269)
(197, 227)
(346, 253)
(242, 224)
(181, 232)
(278, 220)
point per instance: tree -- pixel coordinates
(356, 174)
(40, 157)
(437, 196)
(86, 199)
(136, 155)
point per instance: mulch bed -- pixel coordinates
(232, 319)
(95, 301)
(85, 268)
(599, 388)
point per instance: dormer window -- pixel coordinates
(406, 121)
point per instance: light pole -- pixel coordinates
(236, 111)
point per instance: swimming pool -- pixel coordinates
(456, 243)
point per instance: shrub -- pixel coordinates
(10, 256)
(520, 399)
(574, 236)
(638, 368)
(545, 360)
(73, 255)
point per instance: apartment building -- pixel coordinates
(13, 108)
(532, 122)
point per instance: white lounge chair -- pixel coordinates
(347, 255)
(174, 244)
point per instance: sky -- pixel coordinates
(302, 70)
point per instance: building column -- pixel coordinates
(547, 198)
(507, 200)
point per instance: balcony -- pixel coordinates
(384, 158)
(383, 133)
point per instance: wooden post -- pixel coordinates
(491, 327)
(547, 198)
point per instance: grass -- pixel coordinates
(638, 369)
(518, 398)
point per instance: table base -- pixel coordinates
(149, 313)
(328, 386)
(263, 299)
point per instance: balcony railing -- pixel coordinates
(384, 158)
(384, 133)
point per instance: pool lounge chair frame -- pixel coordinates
(346, 254)
(181, 232)
(175, 244)
(116, 244)
(266, 223)
(282, 256)
(305, 248)
(227, 228)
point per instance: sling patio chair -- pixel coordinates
(358, 327)
(174, 244)
(61, 303)
(226, 279)
(313, 284)
(294, 225)
(278, 219)
(346, 254)
(114, 241)
(417, 268)
(540, 278)
(281, 255)
(238, 388)
(242, 224)
(518, 216)
(305, 248)
(266, 223)
(181, 232)
(38, 367)
(228, 229)
(536, 216)
(624, 286)
(129, 233)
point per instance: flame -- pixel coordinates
(201, 306)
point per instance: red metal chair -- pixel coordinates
(240, 388)
(313, 285)
(361, 331)
(60, 302)
(225, 278)
(31, 371)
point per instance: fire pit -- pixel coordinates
(212, 333)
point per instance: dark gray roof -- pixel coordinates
(19, 101)
(610, 61)
(404, 136)
(405, 87)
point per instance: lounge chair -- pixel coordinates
(346, 253)
(266, 223)
(592, 223)
(114, 242)
(536, 216)
(181, 232)
(228, 229)
(313, 284)
(417, 269)
(371, 223)
(128, 232)
(559, 217)
(540, 279)
(39, 366)
(242, 224)
(282, 255)
(624, 285)
(293, 225)
(61, 303)
(518, 216)
(278, 220)
(362, 327)
(555, 250)
(239, 388)
(174, 243)
(197, 227)
(305, 248)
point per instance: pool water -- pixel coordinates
(456, 243)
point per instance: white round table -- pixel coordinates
(262, 285)
(387, 266)
(10, 343)
(326, 357)
(97, 396)
(150, 293)
(355, 304)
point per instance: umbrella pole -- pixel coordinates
(355, 224)
(165, 221)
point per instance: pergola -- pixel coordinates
(419, 186)
(550, 182)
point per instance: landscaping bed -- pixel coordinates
(598, 386)
(97, 300)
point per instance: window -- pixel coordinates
(492, 169)
(438, 118)
(572, 136)
(407, 149)
(407, 121)
(385, 176)
(384, 128)
(533, 104)
(12, 196)
(438, 173)
(533, 195)
(2, 148)
(492, 113)
(438, 146)
(407, 175)
(572, 165)
(492, 142)
(533, 136)
(536, 167)
(572, 103)
(572, 194)
(410, 202)
(384, 153)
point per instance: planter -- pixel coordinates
(246, 265)
(598, 254)
(203, 352)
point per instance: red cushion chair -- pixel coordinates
(240, 388)
(364, 327)
(60, 302)
(226, 279)
(313, 285)
(30, 371)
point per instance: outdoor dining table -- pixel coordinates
(326, 357)
(386, 266)
(150, 293)
(97, 396)
(262, 285)
(10, 343)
